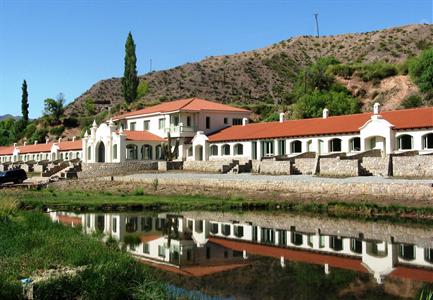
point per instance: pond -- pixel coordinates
(263, 255)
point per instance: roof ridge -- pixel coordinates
(190, 100)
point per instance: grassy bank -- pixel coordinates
(31, 242)
(137, 199)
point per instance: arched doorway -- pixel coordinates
(101, 152)
(375, 142)
(198, 152)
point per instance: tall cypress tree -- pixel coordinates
(130, 79)
(25, 102)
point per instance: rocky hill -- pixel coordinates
(267, 74)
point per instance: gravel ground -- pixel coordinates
(269, 178)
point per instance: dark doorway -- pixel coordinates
(101, 152)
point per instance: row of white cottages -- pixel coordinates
(205, 130)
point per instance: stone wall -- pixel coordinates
(413, 166)
(339, 167)
(377, 166)
(273, 167)
(213, 166)
(115, 169)
(305, 165)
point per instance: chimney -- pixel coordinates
(36, 142)
(325, 113)
(15, 145)
(73, 138)
(60, 140)
(376, 108)
(244, 121)
(47, 140)
(281, 117)
(25, 143)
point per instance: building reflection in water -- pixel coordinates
(188, 244)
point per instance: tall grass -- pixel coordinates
(30, 242)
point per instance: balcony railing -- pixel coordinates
(180, 129)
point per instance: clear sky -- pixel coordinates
(68, 45)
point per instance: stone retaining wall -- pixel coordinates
(273, 167)
(212, 166)
(339, 167)
(413, 166)
(305, 165)
(115, 169)
(377, 166)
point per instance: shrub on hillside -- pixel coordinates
(421, 71)
(412, 101)
(57, 130)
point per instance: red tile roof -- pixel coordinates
(142, 136)
(191, 104)
(35, 148)
(401, 119)
(8, 150)
(70, 145)
(300, 255)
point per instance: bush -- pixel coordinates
(376, 71)
(70, 122)
(421, 71)
(412, 101)
(57, 130)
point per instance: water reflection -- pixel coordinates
(205, 243)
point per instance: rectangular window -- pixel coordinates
(267, 148)
(282, 147)
(207, 122)
(146, 125)
(226, 120)
(254, 149)
(175, 120)
(114, 225)
(188, 121)
(132, 126)
(237, 121)
(146, 248)
(161, 251)
(161, 123)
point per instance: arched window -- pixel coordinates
(131, 152)
(214, 150)
(428, 255)
(355, 144)
(427, 141)
(89, 153)
(405, 142)
(356, 246)
(225, 149)
(115, 151)
(335, 145)
(336, 243)
(190, 151)
(146, 152)
(239, 149)
(159, 153)
(310, 146)
(296, 146)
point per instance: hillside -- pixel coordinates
(5, 117)
(268, 74)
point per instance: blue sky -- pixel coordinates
(66, 46)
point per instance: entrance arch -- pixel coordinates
(101, 152)
(375, 142)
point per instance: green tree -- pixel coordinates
(89, 106)
(412, 101)
(421, 71)
(130, 79)
(25, 102)
(54, 108)
(142, 89)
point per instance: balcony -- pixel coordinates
(181, 130)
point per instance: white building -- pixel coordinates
(202, 130)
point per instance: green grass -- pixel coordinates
(30, 242)
(138, 200)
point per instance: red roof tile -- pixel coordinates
(142, 136)
(401, 119)
(8, 150)
(191, 104)
(70, 145)
(35, 148)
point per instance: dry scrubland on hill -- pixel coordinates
(268, 74)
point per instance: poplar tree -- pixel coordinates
(25, 102)
(130, 80)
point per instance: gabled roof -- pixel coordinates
(7, 150)
(191, 104)
(142, 136)
(401, 119)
